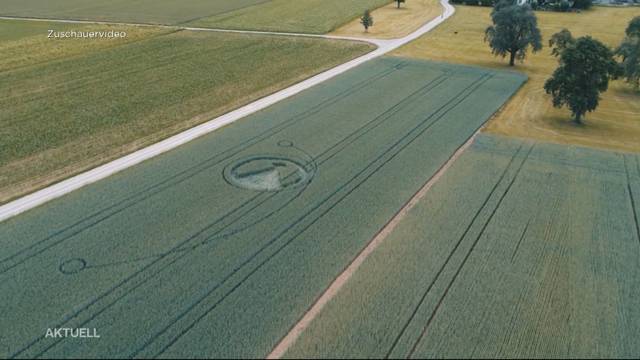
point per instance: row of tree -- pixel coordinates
(585, 64)
(554, 5)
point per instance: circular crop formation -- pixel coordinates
(268, 173)
(72, 266)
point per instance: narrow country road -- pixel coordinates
(54, 191)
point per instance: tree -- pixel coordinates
(634, 27)
(564, 6)
(586, 65)
(366, 20)
(514, 30)
(400, 2)
(582, 4)
(500, 4)
(560, 41)
(629, 52)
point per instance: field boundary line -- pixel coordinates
(69, 185)
(334, 288)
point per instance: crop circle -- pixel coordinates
(285, 143)
(73, 266)
(268, 173)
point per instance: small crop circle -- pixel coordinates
(285, 143)
(73, 266)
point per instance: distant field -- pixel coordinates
(15, 30)
(139, 11)
(216, 248)
(521, 250)
(615, 125)
(25, 44)
(310, 16)
(391, 22)
(307, 16)
(68, 105)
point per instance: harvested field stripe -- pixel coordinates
(332, 290)
(473, 86)
(634, 212)
(188, 173)
(464, 261)
(464, 234)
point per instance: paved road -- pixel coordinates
(40, 197)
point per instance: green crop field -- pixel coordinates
(217, 248)
(71, 104)
(138, 11)
(521, 250)
(306, 16)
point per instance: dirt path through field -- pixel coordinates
(333, 289)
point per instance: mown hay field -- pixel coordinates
(521, 250)
(138, 11)
(530, 114)
(300, 16)
(391, 22)
(67, 105)
(217, 248)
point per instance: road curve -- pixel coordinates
(40, 197)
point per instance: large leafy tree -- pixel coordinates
(586, 65)
(629, 52)
(514, 30)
